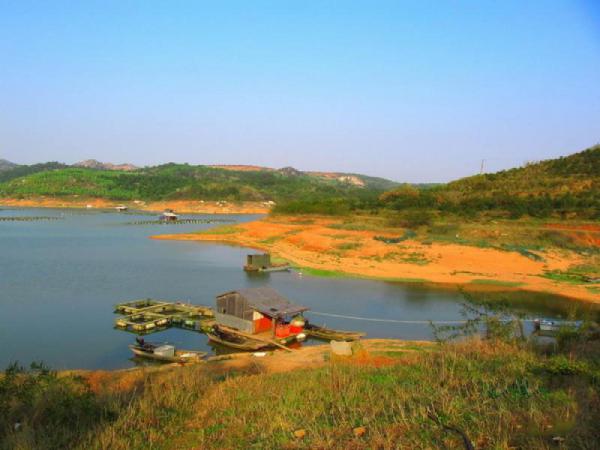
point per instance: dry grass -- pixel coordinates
(501, 395)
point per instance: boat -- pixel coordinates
(121, 208)
(234, 340)
(330, 334)
(282, 268)
(165, 352)
(554, 325)
(168, 216)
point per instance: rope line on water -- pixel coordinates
(414, 322)
(372, 319)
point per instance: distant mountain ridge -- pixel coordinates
(95, 164)
(6, 165)
(92, 178)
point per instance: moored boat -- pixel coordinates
(168, 216)
(165, 352)
(554, 325)
(330, 334)
(234, 340)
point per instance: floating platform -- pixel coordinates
(180, 221)
(149, 315)
(28, 218)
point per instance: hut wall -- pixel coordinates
(261, 322)
(234, 305)
(246, 326)
(258, 261)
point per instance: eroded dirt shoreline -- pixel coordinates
(314, 244)
(180, 206)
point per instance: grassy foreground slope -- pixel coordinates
(182, 181)
(500, 394)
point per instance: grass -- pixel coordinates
(408, 234)
(223, 229)
(407, 280)
(348, 245)
(501, 395)
(497, 282)
(321, 272)
(564, 277)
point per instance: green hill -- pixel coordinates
(16, 171)
(567, 186)
(183, 181)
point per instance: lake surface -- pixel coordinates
(59, 281)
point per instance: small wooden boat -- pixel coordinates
(330, 334)
(235, 340)
(281, 268)
(553, 326)
(165, 353)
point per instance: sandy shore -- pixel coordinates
(316, 245)
(180, 206)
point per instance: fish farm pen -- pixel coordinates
(147, 315)
(28, 218)
(180, 221)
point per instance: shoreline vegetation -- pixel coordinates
(499, 392)
(476, 255)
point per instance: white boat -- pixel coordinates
(554, 325)
(165, 353)
(168, 215)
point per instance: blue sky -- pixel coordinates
(410, 90)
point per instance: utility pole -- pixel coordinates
(481, 169)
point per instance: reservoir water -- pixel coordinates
(59, 281)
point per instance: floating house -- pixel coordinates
(257, 262)
(168, 215)
(259, 310)
(262, 263)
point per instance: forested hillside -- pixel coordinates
(567, 186)
(182, 181)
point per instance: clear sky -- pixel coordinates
(410, 90)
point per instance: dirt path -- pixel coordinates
(315, 244)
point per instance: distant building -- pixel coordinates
(257, 262)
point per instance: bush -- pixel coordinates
(45, 410)
(417, 217)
